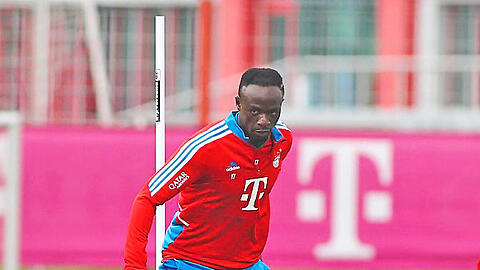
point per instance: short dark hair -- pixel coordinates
(261, 77)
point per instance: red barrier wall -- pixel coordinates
(343, 198)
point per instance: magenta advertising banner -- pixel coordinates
(343, 199)
(379, 200)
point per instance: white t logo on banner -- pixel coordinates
(344, 242)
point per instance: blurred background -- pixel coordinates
(383, 97)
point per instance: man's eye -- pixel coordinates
(254, 112)
(274, 113)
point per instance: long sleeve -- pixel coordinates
(139, 226)
(183, 168)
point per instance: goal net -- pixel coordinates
(9, 188)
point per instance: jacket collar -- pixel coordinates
(232, 123)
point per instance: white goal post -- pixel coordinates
(10, 152)
(159, 127)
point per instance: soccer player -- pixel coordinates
(224, 174)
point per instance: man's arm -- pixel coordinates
(183, 168)
(141, 218)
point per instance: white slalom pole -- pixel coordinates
(159, 127)
(11, 245)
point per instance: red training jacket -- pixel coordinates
(224, 208)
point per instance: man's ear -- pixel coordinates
(237, 102)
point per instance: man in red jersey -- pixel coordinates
(224, 174)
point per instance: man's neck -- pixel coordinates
(258, 144)
(252, 143)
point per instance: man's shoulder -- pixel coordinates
(286, 131)
(210, 129)
(282, 126)
(211, 133)
(287, 137)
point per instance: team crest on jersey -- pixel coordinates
(276, 161)
(232, 167)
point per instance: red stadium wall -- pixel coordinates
(395, 21)
(374, 199)
(238, 48)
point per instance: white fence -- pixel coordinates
(91, 62)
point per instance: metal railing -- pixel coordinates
(347, 92)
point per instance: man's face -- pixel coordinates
(259, 109)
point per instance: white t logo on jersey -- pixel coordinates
(256, 185)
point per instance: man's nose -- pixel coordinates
(263, 120)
